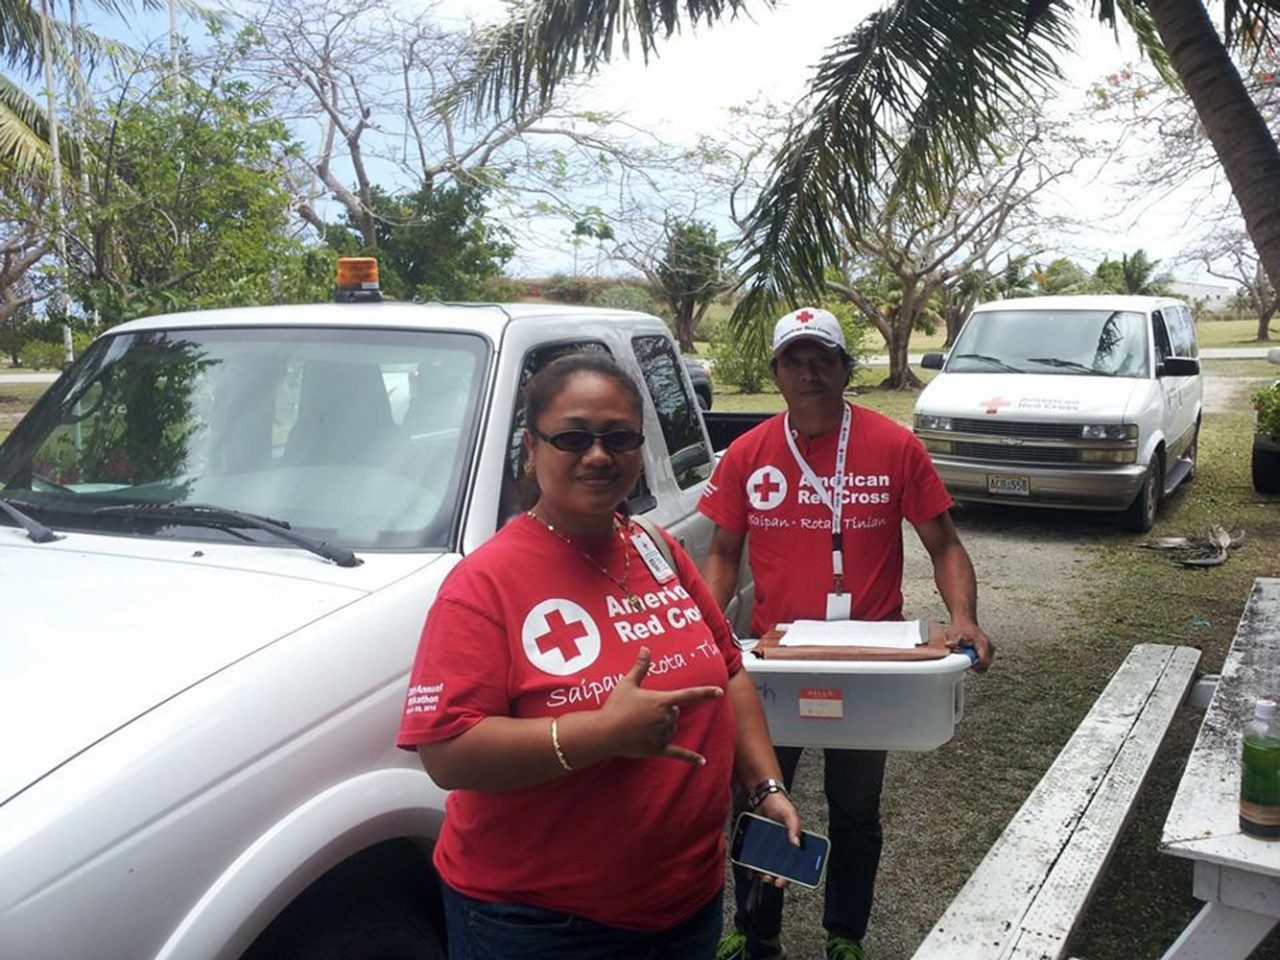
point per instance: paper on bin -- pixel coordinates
(887, 634)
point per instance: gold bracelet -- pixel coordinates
(555, 742)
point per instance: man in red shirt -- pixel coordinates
(823, 489)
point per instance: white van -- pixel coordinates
(1088, 402)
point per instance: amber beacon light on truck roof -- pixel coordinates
(357, 280)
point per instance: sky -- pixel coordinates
(702, 73)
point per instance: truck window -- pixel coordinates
(361, 437)
(676, 407)
(519, 492)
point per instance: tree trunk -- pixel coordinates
(954, 317)
(684, 323)
(1245, 147)
(901, 376)
(1264, 327)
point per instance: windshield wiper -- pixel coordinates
(994, 361)
(215, 516)
(36, 530)
(1069, 365)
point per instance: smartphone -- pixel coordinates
(761, 844)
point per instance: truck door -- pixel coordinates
(1171, 420)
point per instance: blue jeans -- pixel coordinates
(852, 781)
(479, 930)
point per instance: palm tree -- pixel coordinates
(1134, 274)
(916, 89)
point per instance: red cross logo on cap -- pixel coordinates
(993, 405)
(766, 488)
(560, 638)
(804, 316)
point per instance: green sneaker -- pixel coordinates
(842, 948)
(733, 946)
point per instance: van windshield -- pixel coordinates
(1110, 343)
(356, 437)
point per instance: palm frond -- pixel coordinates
(24, 132)
(24, 128)
(20, 43)
(917, 89)
(547, 41)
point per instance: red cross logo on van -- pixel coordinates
(993, 405)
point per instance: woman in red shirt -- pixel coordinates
(570, 689)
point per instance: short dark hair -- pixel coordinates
(551, 380)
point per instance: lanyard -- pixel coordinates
(833, 498)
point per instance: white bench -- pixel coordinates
(1027, 894)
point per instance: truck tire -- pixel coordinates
(704, 398)
(382, 904)
(1141, 515)
(394, 929)
(1266, 470)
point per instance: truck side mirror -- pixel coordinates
(931, 361)
(1178, 367)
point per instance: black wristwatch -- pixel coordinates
(763, 789)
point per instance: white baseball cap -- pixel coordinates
(808, 323)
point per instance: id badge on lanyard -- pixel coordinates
(839, 601)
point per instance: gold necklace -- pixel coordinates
(632, 602)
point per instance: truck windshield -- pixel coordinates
(1110, 343)
(352, 436)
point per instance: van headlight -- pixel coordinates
(936, 446)
(1109, 431)
(925, 421)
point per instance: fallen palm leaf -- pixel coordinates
(1203, 550)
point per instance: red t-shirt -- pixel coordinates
(527, 627)
(758, 489)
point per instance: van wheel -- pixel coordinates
(1141, 515)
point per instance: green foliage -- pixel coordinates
(742, 359)
(432, 244)
(1134, 274)
(1062, 277)
(852, 322)
(626, 296)
(188, 209)
(566, 289)
(41, 355)
(1266, 403)
(691, 273)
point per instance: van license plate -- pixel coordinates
(1008, 486)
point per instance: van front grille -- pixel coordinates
(1015, 454)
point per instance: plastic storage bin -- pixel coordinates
(861, 704)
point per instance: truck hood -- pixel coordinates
(1023, 396)
(96, 631)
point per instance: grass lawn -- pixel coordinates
(15, 400)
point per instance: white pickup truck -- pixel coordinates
(219, 535)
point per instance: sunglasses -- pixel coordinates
(580, 441)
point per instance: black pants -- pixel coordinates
(852, 781)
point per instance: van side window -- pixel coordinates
(519, 492)
(677, 409)
(1182, 331)
(1164, 349)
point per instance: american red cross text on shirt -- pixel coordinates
(767, 487)
(560, 634)
(994, 404)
